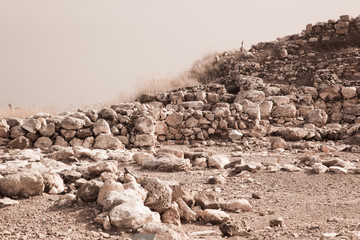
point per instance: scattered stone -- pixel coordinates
(218, 161)
(278, 222)
(5, 202)
(208, 200)
(237, 205)
(214, 216)
(186, 214)
(233, 229)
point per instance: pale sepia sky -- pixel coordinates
(76, 52)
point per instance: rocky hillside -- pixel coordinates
(263, 127)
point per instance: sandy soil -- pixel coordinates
(310, 204)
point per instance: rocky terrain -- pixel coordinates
(266, 148)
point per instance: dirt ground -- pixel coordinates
(310, 204)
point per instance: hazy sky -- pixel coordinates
(75, 52)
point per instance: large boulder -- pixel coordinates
(106, 141)
(132, 215)
(22, 184)
(159, 194)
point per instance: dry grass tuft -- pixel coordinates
(24, 112)
(203, 71)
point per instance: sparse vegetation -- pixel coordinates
(202, 71)
(26, 111)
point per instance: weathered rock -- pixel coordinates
(277, 222)
(167, 164)
(218, 161)
(5, 202)
(31, 125)
(105, 141)
(132, 215)
(161, 128)
(186, 214)
(265, 109)
(174, 119)
(144, 125)
(117, 197)
(283, 53)
(43, 143)
(170, 151)
(19, 143)
(22, 184)
(159, 194)
(69, 175)
(60, 141)
(47, 130)
(318, 168)
(293, 133)
(71, 123)
(4, 129)
(145, 140)
(330, 93)
(208, 200)
(233, 229)
(61, 153)
(171, 215)
(278, 143)
(109, 114)
(89, 191)
(214, 216)
(237, 205)
(53, 180)
(17, 131)
(98, 169)
(235, 135)
(101, 127)
(286, 110)
(164, 231)
(317, 117)
(336, 169)
(84, 133)
(349, 92)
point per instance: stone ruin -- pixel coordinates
(289, 93)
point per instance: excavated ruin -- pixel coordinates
(292, 105)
